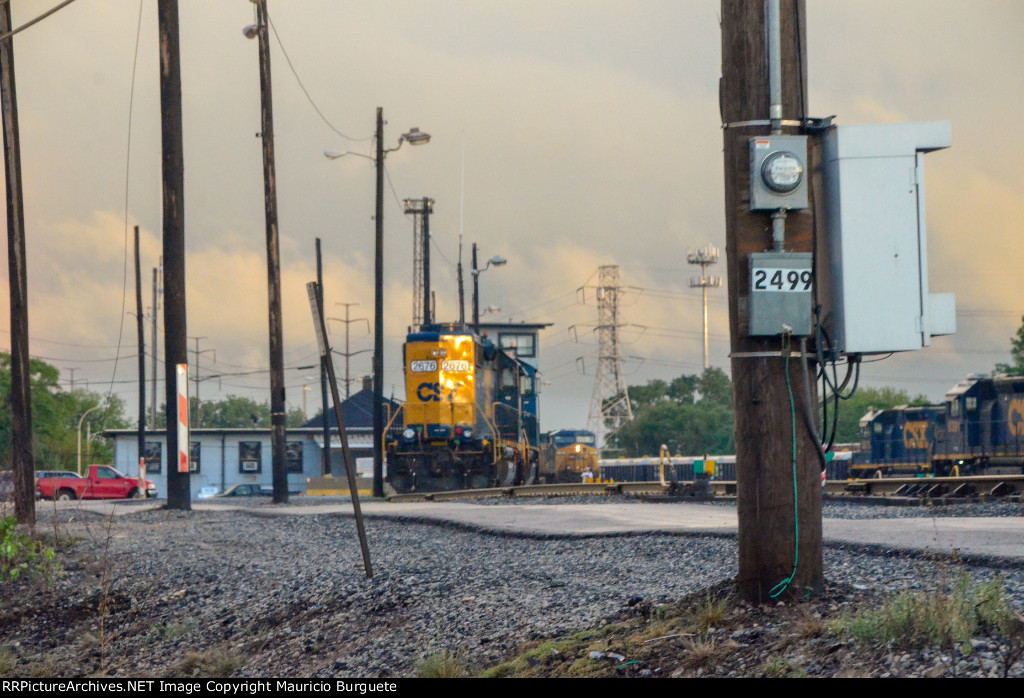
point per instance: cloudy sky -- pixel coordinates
(566, 135)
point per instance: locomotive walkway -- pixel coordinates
(1001, 537)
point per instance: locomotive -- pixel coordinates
(565, 454)
(978, 429)
(470, 416)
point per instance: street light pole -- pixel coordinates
(414, 137)
(493, 261)
(80, 434)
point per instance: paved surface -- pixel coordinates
(996, 537)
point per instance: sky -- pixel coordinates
(565, 136)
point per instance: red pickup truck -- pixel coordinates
(102, 482)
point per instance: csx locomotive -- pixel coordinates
(978, 429)
(470, 417)
(565, 454)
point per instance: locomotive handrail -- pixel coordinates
(387, 427)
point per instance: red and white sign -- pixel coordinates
(183, 443)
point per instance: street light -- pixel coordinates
(80, 434)
(413, 137)
(495, 261)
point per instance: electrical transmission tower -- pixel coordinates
(609, 404)
(420, 210)
(705, 258)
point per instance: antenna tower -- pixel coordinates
(420, 210)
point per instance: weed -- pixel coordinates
(219, 662)
(446, 665)
(706, 652)
(934, 618)
(21, 554)
(172, 631)
(7, 661)
(711, 611)
(777, 667)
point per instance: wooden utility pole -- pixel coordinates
(139, 325)
(779, 554)
(279, 473)
(21, 401)
(179, 494)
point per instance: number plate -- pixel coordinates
(774, 279)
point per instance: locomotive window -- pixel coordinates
(954, 408)
(971, 404)
(878, 427)
(523, 343)
(526, 387)
(508, 378)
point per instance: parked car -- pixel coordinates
(103, 482)
(243, 490)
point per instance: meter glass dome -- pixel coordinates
(782, 171)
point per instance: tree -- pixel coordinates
(234, 412)
(1016, 354)
(692, 415)
(863, 401)
(55, 418)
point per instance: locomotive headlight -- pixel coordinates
(409, 434)
(468, 433)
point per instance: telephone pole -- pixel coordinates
(21, 403)
(348, 354)
(776, 458)
(179, 492)
(140, 329)
(277, 397)
(199, 404)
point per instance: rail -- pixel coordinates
(900, 490)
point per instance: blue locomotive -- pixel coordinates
(977, 429)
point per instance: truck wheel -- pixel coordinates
(136, 494)
(65, 496)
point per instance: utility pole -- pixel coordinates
(348, 354)
(325, 452)
(139, 326)
(277, 401)
(378, 317)
(175, 346)
(776, 457)
(199, 404)
(154, 344)
(705, 258)
(22, 461)
(420, 210)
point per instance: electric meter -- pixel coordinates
(777, 172)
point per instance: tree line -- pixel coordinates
(56, 414)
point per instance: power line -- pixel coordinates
(288, 60)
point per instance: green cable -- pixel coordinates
(779, 588)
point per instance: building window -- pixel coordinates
(154, 456)
(193, 457)
(522, 343)
(250, 457)
(293, 457)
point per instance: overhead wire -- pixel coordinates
(302, 86)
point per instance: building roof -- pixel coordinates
(357, 411)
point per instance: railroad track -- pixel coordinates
(938, 489)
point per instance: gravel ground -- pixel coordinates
(249, 593)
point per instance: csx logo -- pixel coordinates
(1015, 417)
(435, 392)
(915, 435)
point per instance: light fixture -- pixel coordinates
(251, 32)
(415, 137)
